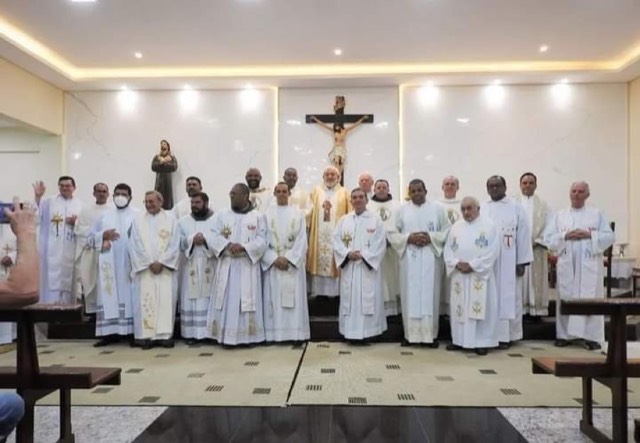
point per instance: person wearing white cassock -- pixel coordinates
(239, 242)
(193, 186)
(286, 313)
(579, 235)
(57, 241)
(299, 196)
(197, 271)
(515, 253)
(359, 244)
(383, 205)
(259, 195)
(533, 286)
(110, 238)
(154, 249)
(8, 258)
(87, 256)
(421, 230)
(451, 205)
(472, 247)
(365, 182)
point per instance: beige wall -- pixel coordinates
(29, 99)
(634, 167)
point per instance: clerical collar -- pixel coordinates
(246, 210)
(379, 200)
(202, 217)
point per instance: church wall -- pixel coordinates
(634, 167)
(370, 147)
(27, 155)
(215, 135)
(562, 133)
(29, 99)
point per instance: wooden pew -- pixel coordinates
(33, 382)
(612, 371)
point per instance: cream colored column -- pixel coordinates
(634, 169)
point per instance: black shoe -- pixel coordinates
(561, 343)
(143, 344)
(106, 341)
(504, 345)
(405, 342)
(168, 343)
(481, 351)
(433, 345)
(452, 347)
(358, 342)
(591, 345)
(191, 341)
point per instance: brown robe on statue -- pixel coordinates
(163, 179)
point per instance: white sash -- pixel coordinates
(507, 232)
(478, 297)
(287, 285)
(60, 245)
(108, 285)
(457, 297)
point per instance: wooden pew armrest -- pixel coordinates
(62, 377)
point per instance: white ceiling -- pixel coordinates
(384, 41)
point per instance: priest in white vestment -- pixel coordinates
(359, 243)
(86, 256)
(8, 257)
(451, 204)
(515, 254)
(533, 286)
(57, 242)
(329, 202)
(421, 231)
(286, 312)
(299, 196)
(110, 238)
(260, 196)
(198, 268)
(239, 242)
(579, 235)
(472, 247)
(386, 208)
(154, 250)
(365, 182)
(193, 186)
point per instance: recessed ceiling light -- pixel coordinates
(564, 81)
(83, 1)
(137, 54)
(463, 120)
(337, 51)
(497, 82)
(543, 48)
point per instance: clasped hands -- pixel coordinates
(464, 267)
(6, 261)
(199, 239)
(281, 263)
(235, 248)
(107, 237)
(420, 239)
(577, 234)
(354, 256)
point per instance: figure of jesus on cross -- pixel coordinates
(336, 124)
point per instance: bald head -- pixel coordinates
(290, 177)
(470, 208)
(579, 193)
(450, 186)
(253, 177)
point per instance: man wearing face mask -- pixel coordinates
(86, 256)
(197, 270)
(109, 237)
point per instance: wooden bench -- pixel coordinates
(612, 371)
(33, 382)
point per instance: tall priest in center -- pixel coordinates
(359, 245)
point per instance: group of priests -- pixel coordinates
(243, 274)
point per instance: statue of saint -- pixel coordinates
(164, 164)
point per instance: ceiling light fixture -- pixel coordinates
(83, 1)
(543, 48)
(337, 51)
(137, 55)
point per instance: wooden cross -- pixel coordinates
(56, 220)
(339, 116)
(327, 211)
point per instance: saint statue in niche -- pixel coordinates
(338, 154)
(164, 164)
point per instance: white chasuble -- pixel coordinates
(474, 303)
(155, 238)
(200, 262)
(57, 249)
(8, 248)
(361, 301)
(580, 267)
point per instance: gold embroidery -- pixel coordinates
(347, 239)
(226, 231)
(56, 220)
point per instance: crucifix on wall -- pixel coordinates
(336, 124)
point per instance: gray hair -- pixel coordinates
(157, 194)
